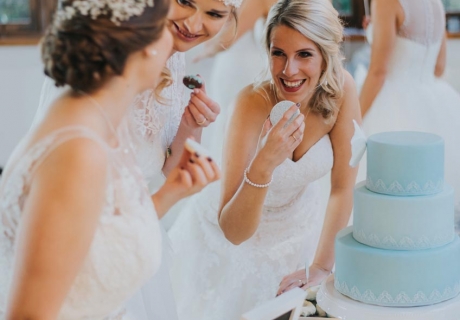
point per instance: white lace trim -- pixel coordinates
(412, 188)
(404, 243)
(402, 298)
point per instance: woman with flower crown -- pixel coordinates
(158, 128)
(236, 240)
(79, 231)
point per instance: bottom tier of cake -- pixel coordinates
(394, 277)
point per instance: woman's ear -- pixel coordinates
(150, 51)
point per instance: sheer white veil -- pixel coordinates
(48, 94)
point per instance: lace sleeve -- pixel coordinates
(154, 125)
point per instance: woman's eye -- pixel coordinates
(277, 53)
(305, 54)
(184, 2)
(215, 15)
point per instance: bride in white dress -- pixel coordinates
(159, 127)
(79, 232)
(232, 253)
(402, 90)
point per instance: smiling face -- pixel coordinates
(296, 64)
(192, 22)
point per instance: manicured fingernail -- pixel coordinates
(196, 91)
(209, 159)
(191, 161)
(197, 154)
(298, 104)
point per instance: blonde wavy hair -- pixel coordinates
(165, 81)
(318, 21)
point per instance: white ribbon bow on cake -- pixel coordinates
(358, 145)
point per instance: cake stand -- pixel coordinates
(342, 307)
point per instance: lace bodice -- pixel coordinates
(424, 21)
(126, 249)
(418, 42)
(293, 187)
(155, 124)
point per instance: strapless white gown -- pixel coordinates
(214, 279)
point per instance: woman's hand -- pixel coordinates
(298, 279)
(201, 110)
(191, 175)
(277, 143)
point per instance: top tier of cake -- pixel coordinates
(405, 163)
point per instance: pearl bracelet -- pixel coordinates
(246, 179)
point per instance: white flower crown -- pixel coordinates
(234, 3)
(118, 10)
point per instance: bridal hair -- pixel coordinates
(318, 21)
(83, 51)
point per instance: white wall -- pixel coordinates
(21, 77)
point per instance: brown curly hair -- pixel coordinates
(83, 52)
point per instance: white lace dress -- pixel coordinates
(214, 279)
(412, 98)
(153, 127)
(126, 249)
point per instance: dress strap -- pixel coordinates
(33, 155)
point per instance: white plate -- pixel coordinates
(342, 307)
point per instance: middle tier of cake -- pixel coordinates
(403, 223)
(394, 277)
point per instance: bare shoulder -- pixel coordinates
(348, 82)
(386, 6)
(253, 101)
(78, 159)
(350, 93)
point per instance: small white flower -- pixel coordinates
(118, 10)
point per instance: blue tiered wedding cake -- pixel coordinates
(402, 250)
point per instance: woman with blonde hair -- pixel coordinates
(232, 253)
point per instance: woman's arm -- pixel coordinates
(441, 61)
(201, 107)
(241, 203)
(384, 18)
(343, 176)
(58, 223)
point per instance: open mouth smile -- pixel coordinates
(184, 35)
(292, 86)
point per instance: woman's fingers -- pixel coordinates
(297, 135)
(295, 125)
(198, 176)
(199, 118)
(203, 170)
(185, 178)
(286, 117)
(201, 100)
